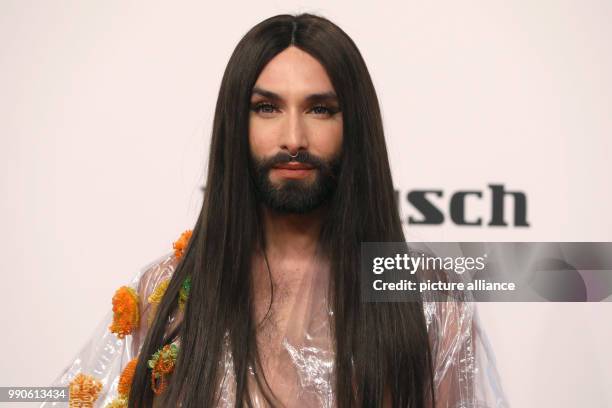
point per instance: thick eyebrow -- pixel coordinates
(329, 96)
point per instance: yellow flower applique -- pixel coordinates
(184, 292)
(119, 402)
(83, 391)
(156, 297)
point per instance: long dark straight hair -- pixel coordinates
(380, 347)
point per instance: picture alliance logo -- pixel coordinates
(495, 207)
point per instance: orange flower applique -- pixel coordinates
(126, 315)
(83, 391)
(162, 363)
(125, 384)
(181, 244)
(127, 375)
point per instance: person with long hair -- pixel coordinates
(260, 303)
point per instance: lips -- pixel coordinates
(293, 170)
(294, 166)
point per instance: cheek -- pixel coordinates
(326, 138)
(260, 140)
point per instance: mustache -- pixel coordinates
(302, 157)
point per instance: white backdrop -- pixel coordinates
(106, 113)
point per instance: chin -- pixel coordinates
(280, 182)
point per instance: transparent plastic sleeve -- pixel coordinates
(105, 355)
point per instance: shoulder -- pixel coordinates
(103, 368)
(154, 276)
(135, 304)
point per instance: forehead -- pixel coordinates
(294, 72)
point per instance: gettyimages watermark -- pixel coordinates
(486, 271)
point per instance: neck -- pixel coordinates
(282, 286)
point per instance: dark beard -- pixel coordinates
(295, 196)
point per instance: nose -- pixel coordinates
(294, 134)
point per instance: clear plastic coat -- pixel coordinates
(301, 370)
